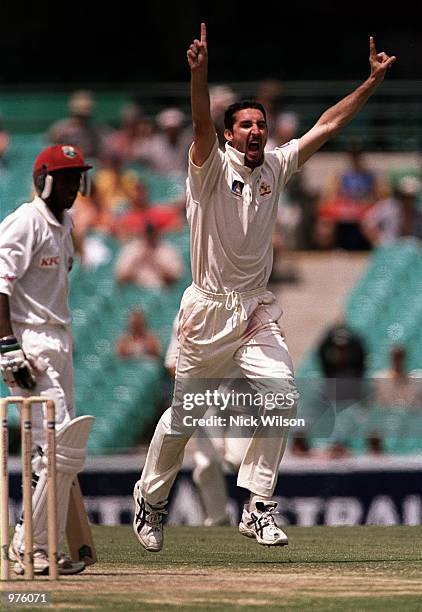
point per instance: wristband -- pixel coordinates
(9, 343)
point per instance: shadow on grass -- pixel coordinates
(336, 561)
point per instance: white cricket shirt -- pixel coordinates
(231, 210)
(36, 254)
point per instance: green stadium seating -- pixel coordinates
(34, 112)
(15, 177)
(385, 308)
(123, 395)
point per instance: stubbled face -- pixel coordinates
(249, 135)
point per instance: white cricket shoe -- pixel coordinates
(148, 522)
(65, 564)
(39, 556)
(260, 524)
(41, 565)
(40, 561)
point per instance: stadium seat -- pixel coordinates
(385, 309)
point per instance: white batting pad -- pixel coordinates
(71, 444)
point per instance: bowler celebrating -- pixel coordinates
(228, 318)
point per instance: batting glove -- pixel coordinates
(14, 366)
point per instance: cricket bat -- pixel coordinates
(78, 531)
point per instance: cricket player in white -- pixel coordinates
(211, 452)
(36, 255)
(227, 318)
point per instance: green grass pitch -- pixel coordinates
(216, 569)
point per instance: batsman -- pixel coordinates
(36, 255)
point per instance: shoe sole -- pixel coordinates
(71, 571)
(271, 544)
(135, 530)
(249, 533)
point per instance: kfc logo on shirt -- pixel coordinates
(49, 261)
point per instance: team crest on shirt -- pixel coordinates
(237, 187)
(264, 189)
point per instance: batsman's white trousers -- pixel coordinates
(218, 335)
(49, 349)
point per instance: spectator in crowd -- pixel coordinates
(166, 151)
(134, 133)
(336, 450)
(270, 94)
(396, 387)
(285, 129)
(342, 355)
(374, 444)
(132, 221)
(79, 129)
(300, 446)
(114, 183)
(221, 96)
(396, 399)
(138, 341)
(292, 207)
(397, 216)
(91, 222)
(140, 212)
(344, 202)
(149, 261)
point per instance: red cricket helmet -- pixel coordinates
(59, 157)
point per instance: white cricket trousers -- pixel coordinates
(49, 348)
(219, 334)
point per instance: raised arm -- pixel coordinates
(203, 127)
(339, 115)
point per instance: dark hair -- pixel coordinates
(237, 106)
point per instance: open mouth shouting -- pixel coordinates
(254, 149)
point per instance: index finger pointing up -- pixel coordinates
(372, 50)
(203, 33)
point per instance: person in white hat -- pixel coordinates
(397, 216)
(166, 152)
(80, 128)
